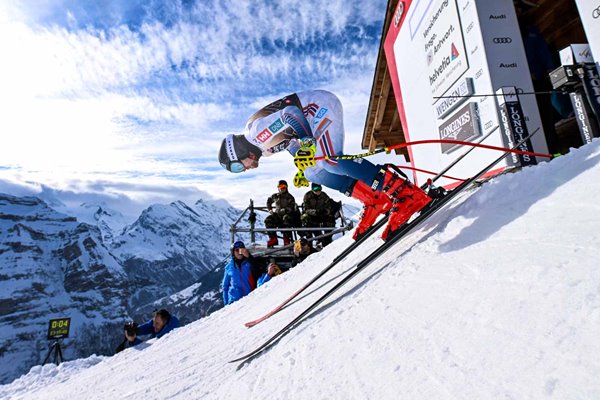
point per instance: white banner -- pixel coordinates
(589, 10)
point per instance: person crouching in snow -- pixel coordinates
(310, 124)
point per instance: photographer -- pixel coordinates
(161, 323)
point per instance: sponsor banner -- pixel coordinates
(462, 125)
(513, 125)
(444, 46)
(490, 55)
(591, 85)
(589, 11)
(576, 54)
(455, 97)
(587, 126)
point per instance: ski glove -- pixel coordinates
(305, 156)
(300, 180)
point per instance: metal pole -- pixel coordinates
(252, 234)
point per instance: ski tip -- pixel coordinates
(250, 324)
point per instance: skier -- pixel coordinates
(310, 124)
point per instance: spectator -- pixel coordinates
(283, 213)
(272, 271)
(162, 322)
(302, 249)
(238, 278)
(317, 211)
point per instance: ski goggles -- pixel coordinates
(234, 166)
(282, 186)
(317, 189)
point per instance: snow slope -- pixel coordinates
(496, 297)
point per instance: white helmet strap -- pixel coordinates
(229, 148)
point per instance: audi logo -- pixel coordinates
(596, 13)
(502, 40)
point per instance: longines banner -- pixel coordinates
(463, 125)
(447, 59)
(588, 127)
(513, 125)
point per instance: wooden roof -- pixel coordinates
(382, 127)
(557, 20)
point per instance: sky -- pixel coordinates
(496, 296)
(128, 100)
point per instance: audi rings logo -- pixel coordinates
(502, 40)
(596, 13)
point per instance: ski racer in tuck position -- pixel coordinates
(310, 124)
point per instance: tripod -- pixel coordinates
(58, 357)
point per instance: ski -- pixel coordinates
(339, 258)
(399, 234)
(352, 247)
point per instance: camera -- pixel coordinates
(131, 328)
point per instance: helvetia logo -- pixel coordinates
(454, 53)
(444, 64)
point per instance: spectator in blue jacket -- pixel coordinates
(272, 271)
(161, 323)
(238, 278)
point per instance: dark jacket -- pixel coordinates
(282, 203)
(317, 205)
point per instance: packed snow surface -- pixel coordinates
(495, 297)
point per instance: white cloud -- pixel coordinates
(149, 106)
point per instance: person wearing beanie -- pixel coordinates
(283, 213)
(238, 276)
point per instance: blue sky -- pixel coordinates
(130, 99)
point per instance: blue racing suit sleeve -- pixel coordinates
(294, 117)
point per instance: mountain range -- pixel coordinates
(89, 264)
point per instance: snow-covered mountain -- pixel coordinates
(101, 274)
(495, 297)
(172, 246)
(53, 266)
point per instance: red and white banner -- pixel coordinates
(447, 59)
